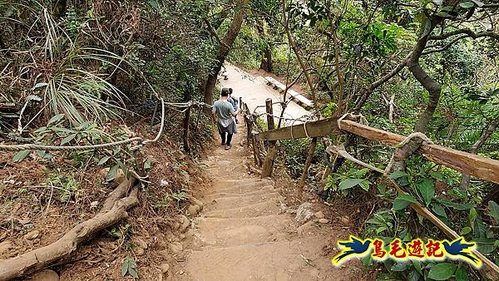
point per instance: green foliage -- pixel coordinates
(247, 48)
(426, 190)
(371, 38)
(296, 154)
(349, 179)
(67, 86)
(56, 131)
(129, 267)
(494, 210)
(402, 201)
(463, 60)
(442, 271)
(382, 222)
(379, 39)
(280, 59)
(89, 68)
(172, 199)
(122, 232)
(329, 109)
(261, 124)
(66, 186)
(84, 68)
(21, 155)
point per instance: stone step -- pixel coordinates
(282, 261)
(231, 232)
(219, 161)
(227, 172)
(243, 190)
(220, 183)
(268, 207)
(207, 198)
(239, 200)
(233, 165)
(240, 187)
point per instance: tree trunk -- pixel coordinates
(433, 87)
(308, 162)
(210, 83)
(266, 62)
(224, 48)
(295, 49)
(486, 133)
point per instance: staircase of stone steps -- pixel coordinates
(244, 234)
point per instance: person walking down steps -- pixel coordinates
(224, 112)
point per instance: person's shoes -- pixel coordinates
(223, 143)
(227, 147)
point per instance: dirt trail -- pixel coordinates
(244, 233)
(254, 91)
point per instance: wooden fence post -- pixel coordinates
(270, 114)
(200, 112)
(187, 119)
(311, 151)
(250, 134)
(249, 125)
(269, 159)
(256, 149)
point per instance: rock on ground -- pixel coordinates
(175, 247)
(319, 215)
(184, 223)
(164, 268)
(304, 212)
(32, 235)
(5, 247)
(46, 275)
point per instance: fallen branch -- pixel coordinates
(42, 257)
(117, 193)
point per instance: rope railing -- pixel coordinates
(281, 103)
(181, 107)
(303, 118)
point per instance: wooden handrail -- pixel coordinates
(464, 162)
(318, 128)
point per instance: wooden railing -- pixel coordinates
(464, 162)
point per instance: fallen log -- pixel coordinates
(42, 257)
(117, 193)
